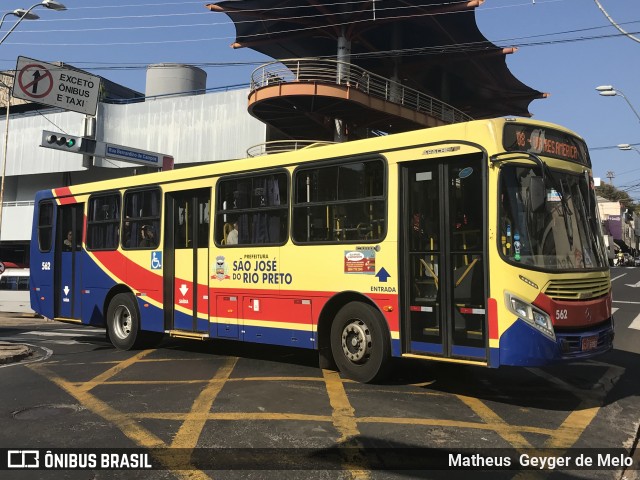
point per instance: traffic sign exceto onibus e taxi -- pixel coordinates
(56, 86)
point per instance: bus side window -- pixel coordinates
(252, 210)
(142, 209)
(45, 226)
(340, 203)
(103, 223)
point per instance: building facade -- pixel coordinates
(192, 128)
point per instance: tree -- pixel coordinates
(608, 191)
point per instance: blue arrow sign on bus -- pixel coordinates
(383, 275)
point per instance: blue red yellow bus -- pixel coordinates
(477, 243)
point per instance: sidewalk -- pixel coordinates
(13, 352)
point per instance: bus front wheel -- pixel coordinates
(360, 342)
(123, 322)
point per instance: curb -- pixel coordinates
(11, 352)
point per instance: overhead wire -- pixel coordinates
(440, 49)
(256, 35)
(613, 22)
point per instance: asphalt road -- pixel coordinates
(626, 304)
(226, 410)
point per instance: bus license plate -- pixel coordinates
(589, 343)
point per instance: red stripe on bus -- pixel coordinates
(492, 307)
(65, 196)
(279, 306)
(130, 273)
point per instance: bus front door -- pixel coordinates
(187, 259)
(68, 261)
(442, 226)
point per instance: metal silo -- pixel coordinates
(175, 78)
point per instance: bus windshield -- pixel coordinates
(561, 235)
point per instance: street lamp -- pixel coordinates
(23, 15)
(626, 146)
(20, 13)
(609, 91)
(50, 4)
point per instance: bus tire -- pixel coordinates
(123, 321)
(360, 342)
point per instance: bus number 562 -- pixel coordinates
(46, 265)
(561, 315)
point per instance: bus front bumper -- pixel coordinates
(522, 345)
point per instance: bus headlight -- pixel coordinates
(530, 314)
(519, 307)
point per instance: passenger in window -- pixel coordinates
(232, 238)
(67, 244)
(148, 237)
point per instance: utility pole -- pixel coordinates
(610, 176)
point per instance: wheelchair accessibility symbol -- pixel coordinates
(156, 260)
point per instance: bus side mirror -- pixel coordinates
(537, 193)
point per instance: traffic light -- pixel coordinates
(60, 141)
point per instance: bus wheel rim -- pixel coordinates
(356, 341)
(122, 322)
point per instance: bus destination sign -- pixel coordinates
(545, 141)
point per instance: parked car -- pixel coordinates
(636, 262)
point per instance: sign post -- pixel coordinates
(56, 86)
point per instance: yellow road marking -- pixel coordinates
(502, 428)
(191, 428)
(113, 371)
(344, 420)
(127, 425)
(434, 422)
(343, 415)
(581, 417)
(574, 425)
(233, 416)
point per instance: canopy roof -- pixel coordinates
(429, 45)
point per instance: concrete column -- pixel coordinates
(344, 59)
(342, 78)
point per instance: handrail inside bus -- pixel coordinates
(466, 272)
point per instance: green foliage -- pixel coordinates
(610, 192)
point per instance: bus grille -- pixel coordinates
(571, 344)
(577, 289)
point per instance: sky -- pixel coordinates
(566, 48)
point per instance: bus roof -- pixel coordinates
(452, 132)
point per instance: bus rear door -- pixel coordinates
(442, 221)
(68, 261)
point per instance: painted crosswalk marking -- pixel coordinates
(58, 333)
(63, 336)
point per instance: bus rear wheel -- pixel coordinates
(360, 342)
(123, 322)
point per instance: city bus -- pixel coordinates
(14, 289)
(477, 243)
